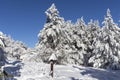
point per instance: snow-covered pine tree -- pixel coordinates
(50, 36)
(92, 33)
(76, 47)
(107, 49)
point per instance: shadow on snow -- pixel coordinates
(100, 74)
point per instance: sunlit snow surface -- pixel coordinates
(40, 71)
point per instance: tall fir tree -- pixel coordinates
(49, 37)
(107, 49)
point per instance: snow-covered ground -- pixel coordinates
(40, 71)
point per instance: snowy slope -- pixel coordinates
(40, 71)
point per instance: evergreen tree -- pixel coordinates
(107, 49)
(49, 37)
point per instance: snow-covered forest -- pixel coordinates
(79, 43)
(82, 44)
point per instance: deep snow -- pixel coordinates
(40, 71)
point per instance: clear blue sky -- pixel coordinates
(23, 19)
